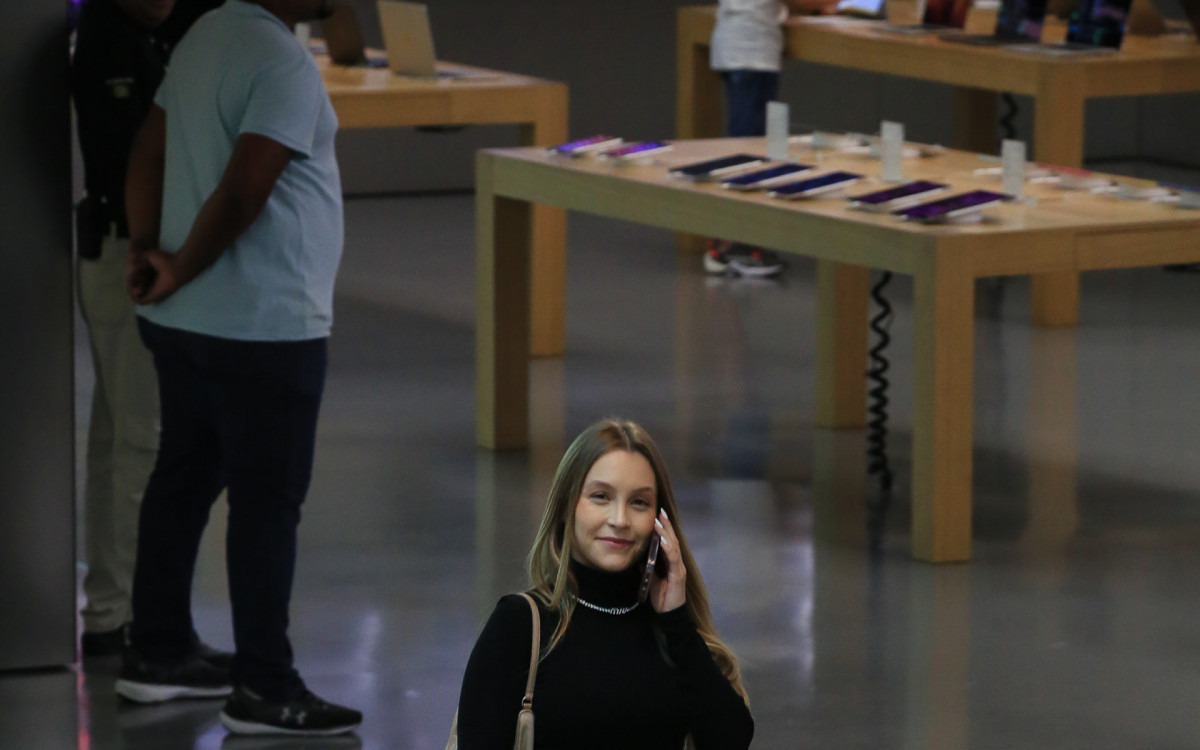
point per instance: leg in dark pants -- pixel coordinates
(269, 408)
(249, 423)
(746, 95)
(187, 478)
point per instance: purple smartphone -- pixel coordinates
(955, 205)
(764, 178)
(585, 145)
(815, 185)
(636, 150)
(894, 197)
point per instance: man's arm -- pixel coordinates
(249, 177)
(144, 181)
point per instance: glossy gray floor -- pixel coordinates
(1075, 626)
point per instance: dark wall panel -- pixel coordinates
(37, 587)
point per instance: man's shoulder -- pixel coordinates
(244, 43)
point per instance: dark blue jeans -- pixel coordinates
(240, 415)
(746, 95)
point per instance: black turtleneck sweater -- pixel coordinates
(606, 685)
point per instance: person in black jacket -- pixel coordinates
(121, 52)
(618, 667)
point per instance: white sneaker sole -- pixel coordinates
(240, 726)
(756, 271)
(713, 266)
(144, 692)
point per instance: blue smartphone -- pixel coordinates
(815, 185)
(711, 169)
(951, 207)
(765, 178)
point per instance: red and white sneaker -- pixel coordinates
(716, 258)
(759, 264)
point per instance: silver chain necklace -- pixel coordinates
(608, 610)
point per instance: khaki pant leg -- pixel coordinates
(122, 437)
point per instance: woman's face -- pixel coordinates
(615, 513)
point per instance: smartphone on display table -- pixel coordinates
(893, 198)
(765, 178)
(815, 185)
(586, 145)
(951, 207)
(636, 150)
(712, 169)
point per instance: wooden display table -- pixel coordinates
(1060, 87)
(376, 98)
(1063, 233)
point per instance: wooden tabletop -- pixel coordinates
(366, 97)
(1046, 209)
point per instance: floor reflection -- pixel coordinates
(1074, 626)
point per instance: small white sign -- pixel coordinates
(303, 33)
(1012, 167)
(777, 131)
(891, 151)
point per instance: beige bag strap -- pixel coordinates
(527, 701)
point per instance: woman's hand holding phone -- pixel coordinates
(668, 593)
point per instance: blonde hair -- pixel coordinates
(549, 560)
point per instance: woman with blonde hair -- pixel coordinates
(622, 664)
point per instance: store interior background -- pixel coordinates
(1071, 633)
(618, 58)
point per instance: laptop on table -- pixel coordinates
(1180, 10)
(409, 42)
(940, 15)
(1018, 22)
(343, 39)
(1096, 27)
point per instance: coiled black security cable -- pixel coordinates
(1010, 115)
(877, 459)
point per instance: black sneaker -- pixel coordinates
(95, 645)
(215, 657)
(248, 713)
(145, 681)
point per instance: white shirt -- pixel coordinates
(748, 35)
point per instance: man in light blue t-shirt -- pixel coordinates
(235, 222)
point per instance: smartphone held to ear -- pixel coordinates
(655, 565)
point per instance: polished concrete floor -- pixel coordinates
(1076, 625)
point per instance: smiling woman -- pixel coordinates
(616, 669)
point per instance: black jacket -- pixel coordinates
(115, 72)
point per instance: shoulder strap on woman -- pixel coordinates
(527, 701)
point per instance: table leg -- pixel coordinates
(841, 358)
(1058, 139)
(698, 95)
(503, 242)
(548, 322)
(943, 372)
(975, 117)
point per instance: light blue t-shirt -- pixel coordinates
(241, 70)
